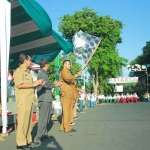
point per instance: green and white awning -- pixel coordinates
(32, 33)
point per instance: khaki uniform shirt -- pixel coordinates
(23, 96)
(68, 88)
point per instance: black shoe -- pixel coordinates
(45, 138)
(73, 130)
(33, 144)
(72, 123)
(23, 147)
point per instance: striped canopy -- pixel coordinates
(32, 33)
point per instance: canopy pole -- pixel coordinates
(5, 8)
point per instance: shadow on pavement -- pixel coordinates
(51, 144)
(34, 130)
(59, 118)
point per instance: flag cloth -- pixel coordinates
(84, 44)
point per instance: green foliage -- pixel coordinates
(80, 82)
(131, 88)
(142, 59)
(51, 71)
(108, 89)
(89, 86)
(106, 61)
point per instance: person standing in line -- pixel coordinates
(24, 90)
(75, 107)
(89, 99)
(118, 98)
(122, 97)
(135, 98)
(148, 98)
(75, 117)
(110, 98)
(127, 98)
(107, 99)
(45, 98)
(99, 99)
(93, 100)
(131, 97)
(68, 96)
(114, 98)
(81, 99)
(103, 98)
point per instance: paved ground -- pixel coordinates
(103, 127)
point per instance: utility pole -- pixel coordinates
(57, 73)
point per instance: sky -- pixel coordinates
(135, 14)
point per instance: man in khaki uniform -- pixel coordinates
(24, 89)
(68, 96)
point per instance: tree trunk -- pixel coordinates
(95, 82)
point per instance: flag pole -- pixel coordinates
(84, 66)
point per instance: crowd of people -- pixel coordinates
(119, 98)
(91, 100)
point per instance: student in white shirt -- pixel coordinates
(118, 98)
(100, 98)
(114, 98)
(81, 99)
(89, 99)
(93, 100)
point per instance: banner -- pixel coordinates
(123, 80)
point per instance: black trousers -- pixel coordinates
(45, 111)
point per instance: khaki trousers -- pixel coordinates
(75, 109)
(67, 114)
(24, 126)
(72, 112)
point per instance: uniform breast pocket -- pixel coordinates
(27, 79)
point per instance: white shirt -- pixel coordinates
(93, 98)
(89, 96)
(82, 96)
(99, 96)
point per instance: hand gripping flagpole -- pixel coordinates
(85, 65)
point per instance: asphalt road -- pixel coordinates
(103, 127)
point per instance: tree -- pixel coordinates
(51, 71)
(142, 59)
(106, 62)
